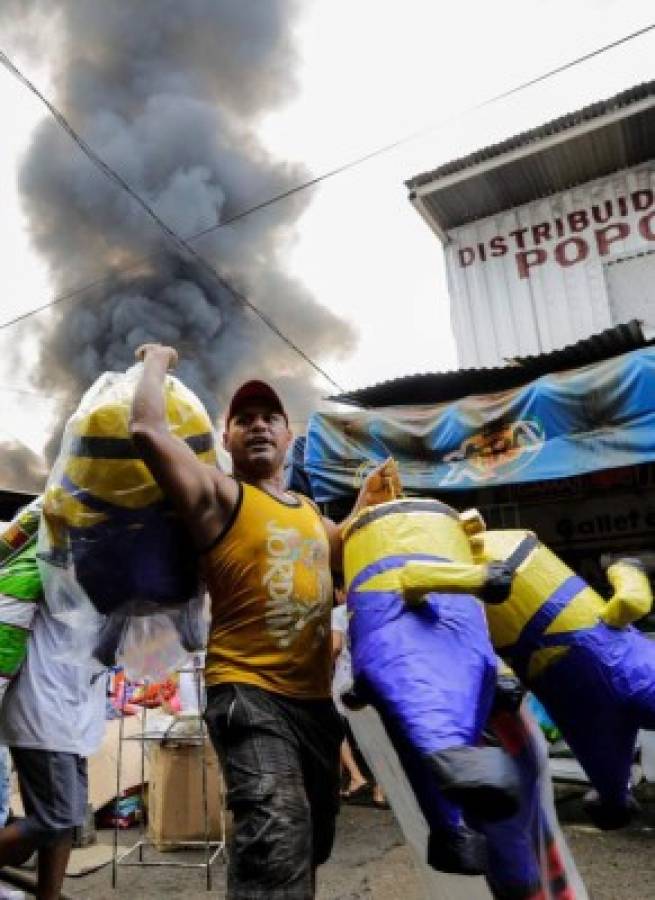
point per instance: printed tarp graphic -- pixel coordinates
(600, 416)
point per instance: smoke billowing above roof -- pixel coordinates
(169, 94)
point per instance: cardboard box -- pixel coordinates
(175, 804)
(102, 765)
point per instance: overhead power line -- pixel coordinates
(309, 183)
(416, 135)
(175, 239)
(78, 291)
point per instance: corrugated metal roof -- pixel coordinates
(445, 387)
(626, 139)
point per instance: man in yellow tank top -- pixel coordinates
(266, 555)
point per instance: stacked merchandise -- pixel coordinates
(126, 697)
(20, 589)
(122, 812)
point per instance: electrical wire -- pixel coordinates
(276, 198)
(416, 135)
(181, 244)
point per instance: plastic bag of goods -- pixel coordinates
(20, 589)
(112, 547)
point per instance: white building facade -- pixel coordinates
(533, 267)
(549, 273)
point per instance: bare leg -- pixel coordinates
(378, 794)
(15, 848)
(52, 868)
(348, 762)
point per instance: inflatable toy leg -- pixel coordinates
(430, 672)
(638, 677)
(482, 780)
(525, 859)
(588, 697)
(190, 625)
(387, 769)
(458, 851)
(513, 871)
(513, 865)
(110, 635)
(431, 669)
(452, 846)
(634, 681)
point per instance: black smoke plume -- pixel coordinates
(169, 94)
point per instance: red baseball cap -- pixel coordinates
(254, 392)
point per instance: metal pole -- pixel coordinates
(119, 763)
(205, 801)
(143, 788)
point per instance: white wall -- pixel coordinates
(535, 278)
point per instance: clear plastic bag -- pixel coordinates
(115, 558)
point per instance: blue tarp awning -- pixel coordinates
(601, 416)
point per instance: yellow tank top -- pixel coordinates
(269, 581)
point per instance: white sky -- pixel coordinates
(372, 71)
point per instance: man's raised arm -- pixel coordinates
(202, 495)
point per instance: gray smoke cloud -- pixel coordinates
(21, 469)
(169, 93)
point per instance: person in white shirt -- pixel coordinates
(52, 718)
(358, 790)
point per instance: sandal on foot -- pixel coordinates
(359, 795)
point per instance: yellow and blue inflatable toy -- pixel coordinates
(107, 526)
(579, 654)
(430, 672)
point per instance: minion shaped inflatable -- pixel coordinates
(106, 525)
(20, 589)
(430, 672)
(579, 654)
